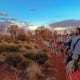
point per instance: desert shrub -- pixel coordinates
(16, 42)
(33, 71)
(24, 64)
(13, 60)
(2, 48)
(2, 57)
(1, 62)
(8, 47)
(30, 55)
(12, 48)
(1, 37)
(35, 46)
(48, 64)
(21, 37)
(0, 41)
(28, 47)
(19, 45)
(9, 41)
(41, 58)
(8, 54)
(22, 49)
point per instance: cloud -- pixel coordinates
(32, 10)
(3, 19)
(5, 24)
(32, 28)
(58, 16)
(12, 19)
(3, 14)
(36, 9)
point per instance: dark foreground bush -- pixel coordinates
(40, 57)
(24, 65)
(12, 48)
(13, 60)
(30, 55)
(8, 48)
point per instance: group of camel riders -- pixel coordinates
(69, 47)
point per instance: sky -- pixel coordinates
(40, 12)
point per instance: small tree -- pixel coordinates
(65, 32)
(21, 34)
(13, 30)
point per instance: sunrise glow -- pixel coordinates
(59, 28)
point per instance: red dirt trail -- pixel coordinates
(58, 63)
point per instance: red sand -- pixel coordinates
(7, 75)
(60, 67)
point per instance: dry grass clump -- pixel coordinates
(48, 64)
(24, 65)
(13, 60)
(36, 47)
(23, 57)
(2, 57)
(22, 49)
(39, 57)
(8, 47)
(33, 71)
(30, 55)
(27, 46)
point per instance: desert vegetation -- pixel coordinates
(21, 56)
(25, 56)
(23, 59)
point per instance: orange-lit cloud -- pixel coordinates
(32, 28)
(59, 28)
